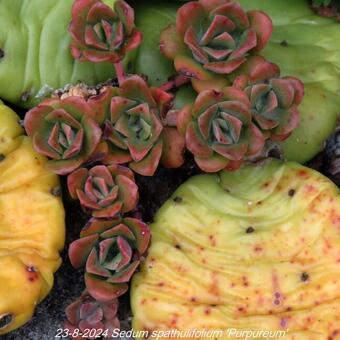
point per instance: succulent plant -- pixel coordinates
(36, 66)
(32, 224)
(65, 131)
(274, 100)
(214, 37)
(254, 249)
(104, 190)
(100, 33)
(219, 130)
(131, 116)
(299, 49)
(111, 250)
(86, 313)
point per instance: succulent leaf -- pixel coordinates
(219, 129)
(214, 38)
(65, 131)
(131, 116)
(32, 224)
(299, 48)
(274, 101)
(253, 249)
(297, 45)
(111, 251)
(100, 33)
(173, 148)
(104, 190)
(87, 313)
(34, 36)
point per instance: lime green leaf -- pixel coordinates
(35, 43)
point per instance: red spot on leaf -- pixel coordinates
(302, 173)
(212, 240)
(174, 320)
(214, 284)
(283, 322)
(258, 249)
(310, 188)
(245, 281)
(32, 275)
(241, 309)
(207, 311)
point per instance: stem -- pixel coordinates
(119, 72)
(175, 83)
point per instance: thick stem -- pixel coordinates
(120, 72)
(175, 83)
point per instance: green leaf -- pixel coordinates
(151, 18)
(185, 95)
(304, 45)
(35, 42)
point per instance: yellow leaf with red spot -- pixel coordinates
(253, 250)
(32, 230)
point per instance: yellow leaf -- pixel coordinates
(256, 250)
(32, 229)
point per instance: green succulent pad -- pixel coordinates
(35, 53)
(303, 44)
(255, 249)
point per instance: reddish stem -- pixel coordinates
(119, 72)
(175, 83)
